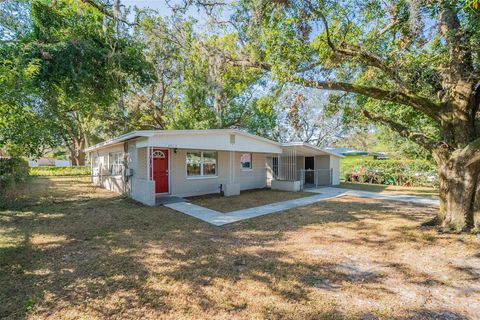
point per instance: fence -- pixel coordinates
(318, 177)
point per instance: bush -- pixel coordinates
(396, 172)
(60, 171)
(13, 171)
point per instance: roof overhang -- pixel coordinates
(308, 150)
(209, 139)
(119, 139)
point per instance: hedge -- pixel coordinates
(13, 171)
(396, 172)
(60, 171)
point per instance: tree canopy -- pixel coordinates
(84, 70)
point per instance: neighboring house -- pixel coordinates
(348, 151)
(352, 152)
(49, 162)
(147, 164)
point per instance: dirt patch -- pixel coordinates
(102, 256)
(246, 199)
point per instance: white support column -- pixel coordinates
(231, 188)
(148, 163)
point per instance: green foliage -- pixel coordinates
(397, 172)
(60, 171)
(196, 87)
(349, 162)
(13, 172)
(65, 74)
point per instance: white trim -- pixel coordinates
(201, 177)
(150, 133)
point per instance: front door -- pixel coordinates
(160, 170)
(309, 170)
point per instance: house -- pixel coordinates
(145, 165)
(49, 162)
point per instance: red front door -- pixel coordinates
(160, 170)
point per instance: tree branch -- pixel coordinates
(352, 51)
(104, 11)
(460, 54)
(418, 138)
(420, 103)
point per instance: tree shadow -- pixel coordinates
(115, 258)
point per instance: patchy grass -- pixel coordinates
(49, 171)
(246, 199)
(416, 191)
(82, 253)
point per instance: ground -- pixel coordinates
(415, 191)
(247, 199)
(73, 252)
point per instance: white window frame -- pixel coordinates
(202, 175)
(95, 165)
(115, 168)
(251, 162)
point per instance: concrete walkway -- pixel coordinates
(218, 218)
(377, 195)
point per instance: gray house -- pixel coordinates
(145, 165)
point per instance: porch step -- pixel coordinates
(160, 200)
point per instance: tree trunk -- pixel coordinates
(77, 154)
(459, 194)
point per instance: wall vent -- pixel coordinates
(232, 139)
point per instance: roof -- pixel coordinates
(310, 149)
(347, 151)
(151, 133)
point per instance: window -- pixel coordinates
(246, 161)
(275, 167)
(116, 163)
(95, 165)
(95, 162)
(158, 154)
(201, 164)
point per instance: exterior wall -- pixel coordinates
(322, 165)
(322, 162)
(269, 171)
(183, 186)
(143, 190)
(335, 166)
(102, 177)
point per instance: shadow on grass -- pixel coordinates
(67, 253)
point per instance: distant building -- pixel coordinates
(352, 152)
(49, 162)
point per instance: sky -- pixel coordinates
(159, 5)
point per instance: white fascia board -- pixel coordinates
(118, 139)
(152, 133)
(311, 147)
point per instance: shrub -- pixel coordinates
(60, 171)
(13, 172)
(397, 172)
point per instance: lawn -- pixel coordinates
(69, 251)
(247, 199)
